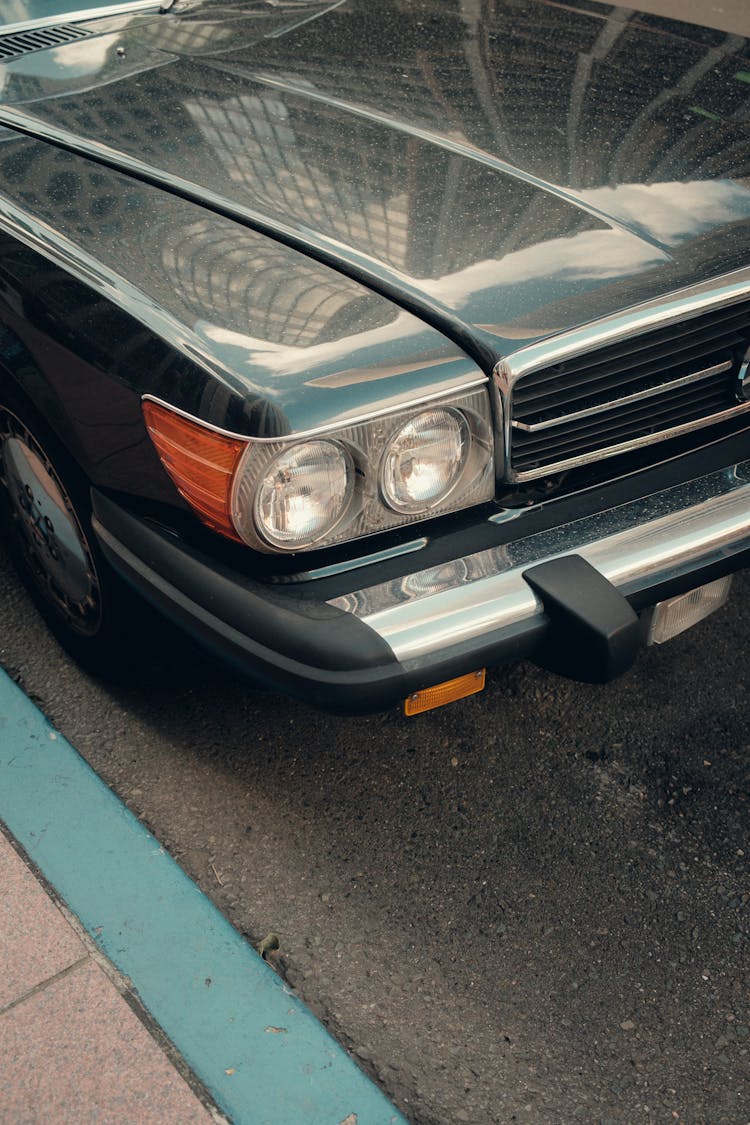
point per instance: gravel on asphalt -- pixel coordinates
(530, 906)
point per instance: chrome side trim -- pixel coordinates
(629, 446)
(332, 427)
(616, 403)
(353, 564)
(81, 15)
(634, 546)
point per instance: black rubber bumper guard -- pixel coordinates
(327, 656)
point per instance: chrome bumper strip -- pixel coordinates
(635, 545)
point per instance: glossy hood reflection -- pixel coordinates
(520, 167)
(673, 213)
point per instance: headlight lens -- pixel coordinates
(424, 460)
(304, 493)
(365, 477)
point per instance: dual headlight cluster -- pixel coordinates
(299, 493)
(378, 474)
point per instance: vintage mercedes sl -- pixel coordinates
(374, 343)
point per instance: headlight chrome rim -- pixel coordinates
(422, 503)
(322, 531)
(366, 511)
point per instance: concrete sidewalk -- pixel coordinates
(125, 995)
(73, 1043)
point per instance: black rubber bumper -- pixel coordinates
(302, 647)
(297, 646)
(583, 627)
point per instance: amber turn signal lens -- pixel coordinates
(446, 692)
(201, 462)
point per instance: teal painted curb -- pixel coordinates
(215, 998)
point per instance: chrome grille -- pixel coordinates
(38, 39)
(641, 390)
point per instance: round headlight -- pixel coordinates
(304, 493)
(424, 459)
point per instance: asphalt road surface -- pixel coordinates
(530, 906)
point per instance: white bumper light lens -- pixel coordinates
(424, 460)
(304, 493)
(676, 615)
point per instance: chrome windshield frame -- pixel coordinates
(77, 14)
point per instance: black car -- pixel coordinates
(375, 343)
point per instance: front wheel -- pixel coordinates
(45, 509)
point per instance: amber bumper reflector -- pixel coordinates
(446, 692)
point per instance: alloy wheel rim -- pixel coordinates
(47, 530)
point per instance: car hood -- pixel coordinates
(507, 171)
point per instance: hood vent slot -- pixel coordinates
(39, 39)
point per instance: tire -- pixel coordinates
(45, 512)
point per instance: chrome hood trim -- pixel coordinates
(678, 305)
(681, 304)
(76, 14)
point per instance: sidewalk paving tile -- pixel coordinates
(202, 983)
(76, 1052)
(36, 942)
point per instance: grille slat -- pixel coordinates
(24, 42)
(618, 428)
(615, 434)
(731, 317)
(564, 389)
(644, 409)
(642, 365)
(608, 387)
(635, 424)
(598, 449)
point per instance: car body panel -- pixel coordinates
(287, 330)
(281, 218)
(424, 191)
